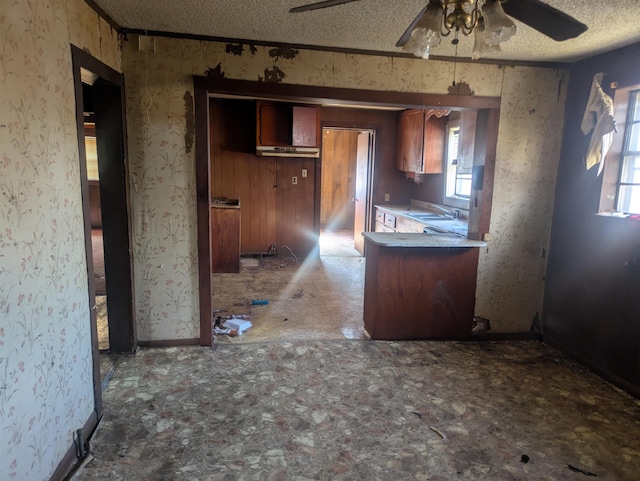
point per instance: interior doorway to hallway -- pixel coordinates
(99, 95)
(345, 206)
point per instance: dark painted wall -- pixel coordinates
(592, 294)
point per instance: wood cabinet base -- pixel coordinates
(225, 239)
(419, 293)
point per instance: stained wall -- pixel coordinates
(510, 286)
(591, 297)
(46, 383)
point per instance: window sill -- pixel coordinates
(619, 215)
(457, 202)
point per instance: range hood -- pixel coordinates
(278, 151)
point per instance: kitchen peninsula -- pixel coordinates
(419, 285)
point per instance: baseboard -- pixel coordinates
(590, 364)
(507, 336)
(170, 343)
(70, 459)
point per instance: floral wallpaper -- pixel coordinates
(46, 383)
(163, 190)
(511, 269)
(45, 348)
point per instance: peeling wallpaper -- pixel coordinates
(46, 377)
(509, 290)
(511, 271)
(45, 349)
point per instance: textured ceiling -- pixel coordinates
(371, 25)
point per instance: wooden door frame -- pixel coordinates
(372, 132)
(204, 87)
(370, 172)
(124, 325)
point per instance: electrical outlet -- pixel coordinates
(304, 173)
(387, 197)
(294, 180)
(486, 237)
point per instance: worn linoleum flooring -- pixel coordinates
(362, 410)
(313, 298)
(308, 399)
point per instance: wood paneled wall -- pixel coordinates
(274, 211)
(386, 178)
(237, 173)
(339, 155)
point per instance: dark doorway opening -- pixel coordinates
(99, 96)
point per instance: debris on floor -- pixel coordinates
(237, 324)
(259, 302)
(233, 325)
(581, 471)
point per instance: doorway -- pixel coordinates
(99, 93)
(345, 206)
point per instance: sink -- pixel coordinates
(429, 216)
(434, 230)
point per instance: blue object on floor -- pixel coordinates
(259, 302)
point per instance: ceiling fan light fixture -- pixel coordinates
(480, 46)
(463, 17)
(498, 27)
(420, 50)
(426, 33)
(432, 18)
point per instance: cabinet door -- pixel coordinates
(410, 139)
(273, 124)
(434, 142)
(306, 124)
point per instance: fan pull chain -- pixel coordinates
(455, 42)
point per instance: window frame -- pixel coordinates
(455, 200)
(614, 160)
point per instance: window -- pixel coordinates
(628, 191)
(621, 178)
(458, 179)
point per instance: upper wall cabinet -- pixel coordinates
(421, 141)
(279, 124)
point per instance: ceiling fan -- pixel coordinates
(489, 21)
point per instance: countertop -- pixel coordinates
(459, 226)
(393, 239)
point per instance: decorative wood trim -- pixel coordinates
(353, 51)
(70, 461)
(78, 59)
(203, 201)
(206, 87)
(172, 343)
(346, 97)
(439, 113)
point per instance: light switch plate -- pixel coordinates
(387, 197)
(304, 172)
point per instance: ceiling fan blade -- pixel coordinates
(407, 33)
(319, 5)
(544, 18)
